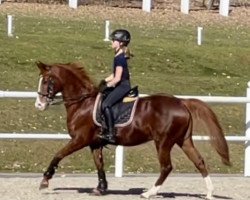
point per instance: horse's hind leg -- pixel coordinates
(193, 154)
(166, 167)
(72, 146)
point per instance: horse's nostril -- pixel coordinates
(38, 105)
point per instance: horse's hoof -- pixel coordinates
(208, 197)
(143, 196)
(44, 184)
(146, 195)
(97, 192)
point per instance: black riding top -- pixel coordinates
(121, 88)
(121, 61)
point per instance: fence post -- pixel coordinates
(185, 6)
(73, 4)
(247, 150)
(9, 25)
(224, 7)
(199, 35)
(146, 5)
(119, 161)
(107, 27)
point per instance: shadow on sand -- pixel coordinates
(138, 191)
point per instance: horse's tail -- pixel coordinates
(202, 114)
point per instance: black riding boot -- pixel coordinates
(109, 133)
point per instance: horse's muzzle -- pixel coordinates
(40, 105)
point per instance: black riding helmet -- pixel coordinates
(121, 35)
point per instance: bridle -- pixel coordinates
(50, 89)
(50, 94)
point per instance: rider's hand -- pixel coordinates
(102, 86)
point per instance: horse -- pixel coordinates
(165, 119)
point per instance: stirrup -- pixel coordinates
(108, 137)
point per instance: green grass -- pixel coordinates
(167, 59)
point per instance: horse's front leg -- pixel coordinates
(102, 182)
(49, 172)
(72, 146)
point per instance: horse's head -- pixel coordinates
(48, 86)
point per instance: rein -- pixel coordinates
(68, 101)
(73, 100)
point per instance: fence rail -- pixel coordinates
(65, 136)
(120, 149)
(208, 99)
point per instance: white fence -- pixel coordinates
(223, 10)
(184, 6)
(120, 149)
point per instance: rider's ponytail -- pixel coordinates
(127, 52)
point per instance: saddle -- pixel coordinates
(123, 111)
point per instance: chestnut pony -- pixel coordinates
(165, 119)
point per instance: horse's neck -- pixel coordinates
(76, 91)
(71, 92)
(74, 88)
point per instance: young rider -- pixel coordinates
(118, 81)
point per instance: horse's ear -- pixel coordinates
(43, 67)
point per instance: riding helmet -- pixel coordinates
(121, 35)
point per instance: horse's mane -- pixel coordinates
(79, 72)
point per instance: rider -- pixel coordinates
(118, 82)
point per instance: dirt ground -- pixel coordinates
(68, 187)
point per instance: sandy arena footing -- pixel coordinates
(78, 187)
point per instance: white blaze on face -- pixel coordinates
(41, 102)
